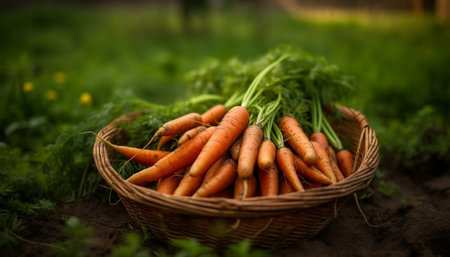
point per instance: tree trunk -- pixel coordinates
(443, 10)
(417, 7)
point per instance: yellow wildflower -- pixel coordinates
(86, 98)
(28, 87)
(60, 77)
(51, 95)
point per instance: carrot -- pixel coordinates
(188, 135)
(251, 140)
(310, 172)
(188, 185)
(245, 187)
(297, 139)
(285, 186)
(145, 157)
(345, 161)
(182, 157)
(268, 181)
(214, 115)
(212, 171)
(235, 149)
(311, 185)
(285, 161)
(323, 161)
(211, 117)
(232, 125)
(225, 175)
(319, 137)
(226, 193)
(167, 185)
(163, 140)
(180, 125)
(266, 154)
(334, 165)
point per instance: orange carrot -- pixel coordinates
(231, 127)
(180, 125)
(214, 115)
(188, 135)
(345, 161)
(268, 181)
(145, 157)
(323, 161)
(251, 140)
(224, 177)
(297, 139)
(319, 137)
(245, 187)
(163, 140)
(334, 165)
(266, 155)
(310, 172)
(236, 148)
(311, 185)
(226, 193)
(188, 185)
(212, 171)
(285, 161)
(285, 186)
(182, 157)
(167, 185)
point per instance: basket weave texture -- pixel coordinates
(266, 221)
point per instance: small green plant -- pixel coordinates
(9, 225)
(403, 202)
(79, 238)
(130, 247)
(385, 188)
(244, 249)
(191, 247)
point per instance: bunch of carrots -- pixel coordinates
(249, 146)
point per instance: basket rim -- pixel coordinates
(253, 206)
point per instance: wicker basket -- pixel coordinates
(266, 221)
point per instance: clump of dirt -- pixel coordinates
(411, 221)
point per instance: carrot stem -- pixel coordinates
(249, 96)
(206, 98)
(331, 134)
(316, 111)
(320, 123)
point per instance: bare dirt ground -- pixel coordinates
(413, 221)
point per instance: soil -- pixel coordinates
(412, 218)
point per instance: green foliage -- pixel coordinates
(244, 249)
(191, 247)
(130, 247)
(9, 223)
(282, 82)
(384, 187)
(422, 137)
(79, 238)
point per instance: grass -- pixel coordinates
(65, 69)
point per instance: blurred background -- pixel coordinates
(62, 62)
